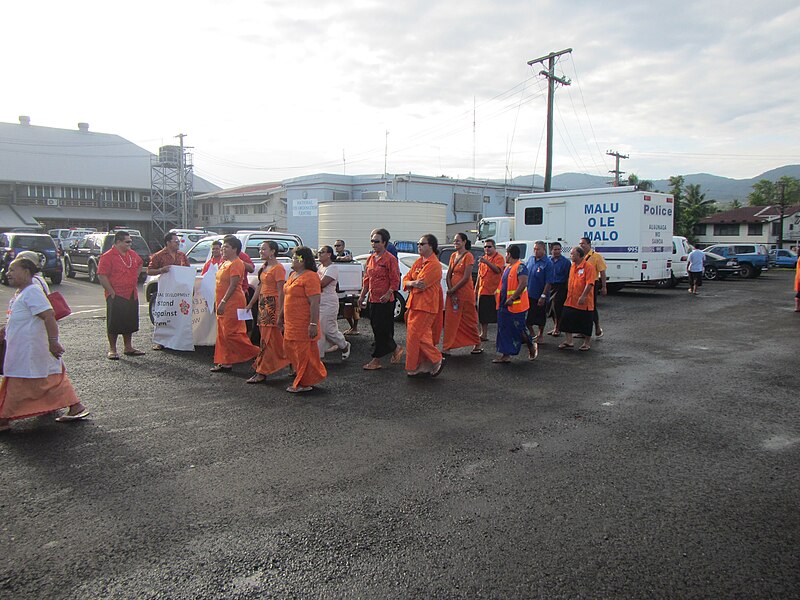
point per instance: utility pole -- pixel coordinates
(616, 171)
(782, 204)
(551, 92)
(182, 200)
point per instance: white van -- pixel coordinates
(65, 237)
(189, 237)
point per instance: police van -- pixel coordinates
(631, 228)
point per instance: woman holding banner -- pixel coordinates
(233, 345)
(269, 296)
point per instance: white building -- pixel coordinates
(749, 224)
(258, 206)
(55, 178)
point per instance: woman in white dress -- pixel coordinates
(35, 381)
(331, 338)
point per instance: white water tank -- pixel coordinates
(353, 221)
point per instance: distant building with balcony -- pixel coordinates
(257, 206)
(749, 224)
(57, 178)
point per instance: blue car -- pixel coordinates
(783, 258)
(12, 243)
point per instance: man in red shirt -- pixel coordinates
(118, 272)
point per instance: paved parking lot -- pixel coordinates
(663, 463)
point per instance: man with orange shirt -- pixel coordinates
(217, 259)
(490, 270)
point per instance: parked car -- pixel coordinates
(680, 255)
(12, 243)
(84, 255)
(189, 237)
(719, 267)
(406, 260)
(782, 258)
(753, 258)
(446, 251)
(66, 237)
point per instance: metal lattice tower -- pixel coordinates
(171, 185)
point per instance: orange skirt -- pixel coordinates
(304, 356)
(21, 398)
(233, 345)
(461, 326)
(422, 334)
(272, 357)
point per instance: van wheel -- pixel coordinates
(710, 273)
(613, 288)
(93, 273)
(747, 271)
(667, 283)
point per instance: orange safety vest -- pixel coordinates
(517, 306)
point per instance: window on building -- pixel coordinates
(699, 229)
(776, 228)
(754, 228)
(261, 209)
(241, 210)
(726, 229)
(208, 209)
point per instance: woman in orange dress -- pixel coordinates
(269, 296)
(301, 322)
(460, 313)
(35, 381)
(233, 345)
(424, 310)
(579, 305)
(797, 287)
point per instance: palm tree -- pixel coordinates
(695, 207)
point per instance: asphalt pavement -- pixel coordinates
(664, 463)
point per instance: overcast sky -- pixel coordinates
(276, 89)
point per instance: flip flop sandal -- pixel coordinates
(134, 353)
(477, 351)
(255, 379)
(220, 368)
(369, 367)
(501, 361)
(565, 345)
(585, 348)
(67, 418)
(397, 355)
(299, 390)
(112, 356)
(438, 370)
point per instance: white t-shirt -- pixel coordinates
(27, 347)
(329, 298)
(695, 260)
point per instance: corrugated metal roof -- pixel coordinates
(119, 215)
(47, 155)
(749, 214)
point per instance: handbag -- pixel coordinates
(58, 302)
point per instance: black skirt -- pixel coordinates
(122, 315)
(576, 321)
(487, 309)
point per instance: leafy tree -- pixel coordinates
(736, 203)
(695, 207)
(676, 189)
(644, 184)
(767, 192)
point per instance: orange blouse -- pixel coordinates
(488, 280)
(430, 271)
(296, 308)
(579, 276)
(456, 268)
(227, 270)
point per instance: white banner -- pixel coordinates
(204, 322)
(172, 312)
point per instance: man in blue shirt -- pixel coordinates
(540, 280)
(558, 292)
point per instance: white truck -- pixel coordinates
(631, 228)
